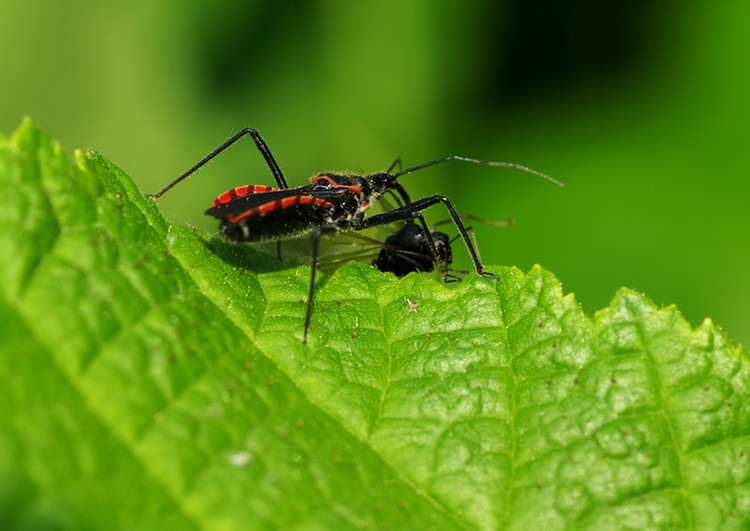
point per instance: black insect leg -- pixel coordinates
(442, 266)
(314, 266)
(262, 147)
(412, 210)
(470, 230)
(311, 292)
(396, 162)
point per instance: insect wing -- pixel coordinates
(239, 204)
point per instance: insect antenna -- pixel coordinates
(477, 161)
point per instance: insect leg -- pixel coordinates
(396, 162)
(311, 292)
(314, 266)
(262, 147)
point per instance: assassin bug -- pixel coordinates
(330, 203)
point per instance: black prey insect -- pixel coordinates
(403, 252)
(330, 203)
(407, 250)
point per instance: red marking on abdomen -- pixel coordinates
(280, 203)
(242, 191)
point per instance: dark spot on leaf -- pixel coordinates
(337, 459)
(538, 485)
(323, 309)
(430, 388)
(708, 387)
(199, 309)
(549, 381)
(429, 336)
(338, 302)
(167, 252)
(613, 380)
(119, 207)
(298, 425)
(167, 271)
(172, 358)
(742, 454)
(454, 337)
(247, 366)
(139, 263)
(729, 404)
(354, 335)
(576, 380)
(195, 229)
(554, 345)
(231, 386)
(178, 330)
(269, 382)
(540, 325)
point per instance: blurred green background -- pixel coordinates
(640, 108)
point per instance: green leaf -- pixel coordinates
(155, 378)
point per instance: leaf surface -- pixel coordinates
(155, 378)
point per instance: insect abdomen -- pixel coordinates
(279, 223)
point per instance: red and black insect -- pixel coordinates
(330, 203)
